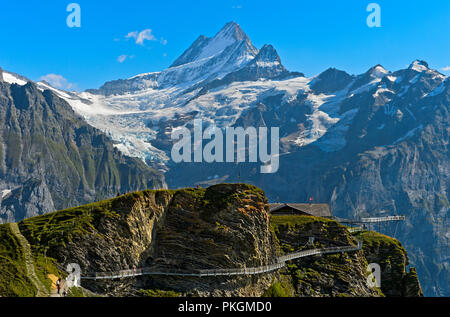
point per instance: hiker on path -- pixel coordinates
(58, 285)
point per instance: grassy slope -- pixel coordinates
(57, 228)
(13, 273)
(44, 232)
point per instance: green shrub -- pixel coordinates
(159, 293)
(276, 290)
(14, 281)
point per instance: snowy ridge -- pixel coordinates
(223, 78)
(419, 66)
(5, 193)
(205, 47)
(13, 78)
(125, 116)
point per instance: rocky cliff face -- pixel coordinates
(30, 199)
(396, 280)
(51, 159)
(329, 275)
(224, 226)
(343, 274)
(221, 227)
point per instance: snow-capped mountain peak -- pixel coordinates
(206, 60)
(205, 47)
(231, 30)
(267, 64)
(419, 66)
(225, 80)
(369, 79)
(268, 54)
(12, 78)
(378, 71)
(330, 80)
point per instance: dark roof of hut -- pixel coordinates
(318, 210)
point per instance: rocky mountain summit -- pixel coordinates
(225, 226)
(205, 60)
(231, 35)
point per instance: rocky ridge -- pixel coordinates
(223, 226)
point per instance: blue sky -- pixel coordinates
(310, 36)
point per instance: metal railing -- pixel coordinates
(383, 219)
(281, 262)
(301, 254)
(354, 229)
(370, 219)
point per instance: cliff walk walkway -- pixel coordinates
(281, 262)
(371, 220)
(362, 223)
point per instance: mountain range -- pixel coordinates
(370, 144)
(50, 158)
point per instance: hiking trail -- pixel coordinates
(41, 289)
